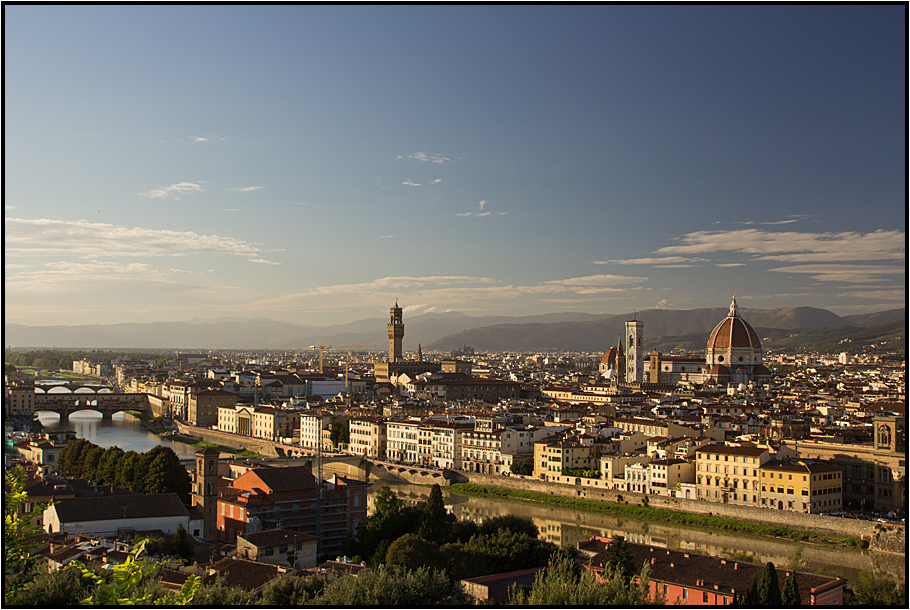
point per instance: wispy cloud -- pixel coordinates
(437, 181)
(428, 158)
(174, 191)
(245, 189)
(410, 182)
(196, 139)
(857, 274)
(790, 246)
(663, 260)
(898, 295)
(83, 239)
(262, 261)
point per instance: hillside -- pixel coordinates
(667, 330)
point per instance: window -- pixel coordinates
(704, 597)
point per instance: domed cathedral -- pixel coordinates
(734, 353)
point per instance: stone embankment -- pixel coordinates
(890, 537)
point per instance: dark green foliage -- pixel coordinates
(423, 587)
(519, 525)
(769, 587)
(790, 597)
(18, 557)
(461, 531)
(391, 519)
(106, 473)
(434, 525)
(503, 551)
(55, 589)
(617, 557)
(411, 552)
(871, 591)
(156, 471)
(218, 595)
(341, 431)
(525, 467)
(290, 591)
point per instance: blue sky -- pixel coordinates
(311, 164)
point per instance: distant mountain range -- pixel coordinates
(664, 329)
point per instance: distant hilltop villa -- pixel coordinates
(733, 355)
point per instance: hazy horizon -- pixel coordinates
(312, 164)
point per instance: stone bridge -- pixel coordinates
(105, 403)
(44, 387)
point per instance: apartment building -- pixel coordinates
(313, 424)
(368, 436)
(729, 474)
(402, 440)
(805, 487)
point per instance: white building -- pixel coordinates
(114, 515)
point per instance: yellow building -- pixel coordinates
(729, 474)
(804, 487)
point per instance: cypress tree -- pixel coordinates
(791, 592)
(769, 587)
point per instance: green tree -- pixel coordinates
(618, 557)
(217, 594)
(434, 523)
(290, 591)
(59, 588)
(423, 587)
(768, 587)
(412, 552)
(128, 585)
(18, 558)
(126, 472)
(90, 466)
(562, 584)
(871, 591)
(181, 543)
(790, 597)
(519, 525)
(341, 431)
(109, 465)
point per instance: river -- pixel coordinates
(121, 430)
(568, 528)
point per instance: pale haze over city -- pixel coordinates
(313, 164)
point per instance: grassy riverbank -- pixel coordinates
(156, 427)
(655, 515)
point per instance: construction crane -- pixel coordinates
(322, 347)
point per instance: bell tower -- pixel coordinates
(635, 330)
(396, 333)
(205, 490)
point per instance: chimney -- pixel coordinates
(716, 587)
(735, 566)
(652, 561)
(723, 562)
(672, 565)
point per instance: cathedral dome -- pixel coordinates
(733, 332)
(609, 357)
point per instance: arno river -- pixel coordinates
(561, 527)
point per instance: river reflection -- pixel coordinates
(567, 528)
(121, 430)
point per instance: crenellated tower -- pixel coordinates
(396, 333)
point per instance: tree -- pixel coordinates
(618, 557)
(217, 594)
(341, 431)
(125, 588)
(871, 591)
(18, 560)
(423, 587)
(54, 589)
(90, 466)
(412, 552)
(434, 522)
(126, 470)
(108, 466)
(519, 525)
(181, 543)
(289, 591)
(790, 597)
(562, 584)
(768, 587)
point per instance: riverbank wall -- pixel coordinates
(890, 537)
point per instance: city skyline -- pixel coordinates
(311, 164)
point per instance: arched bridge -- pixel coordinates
(72, 386)
(107, 403)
